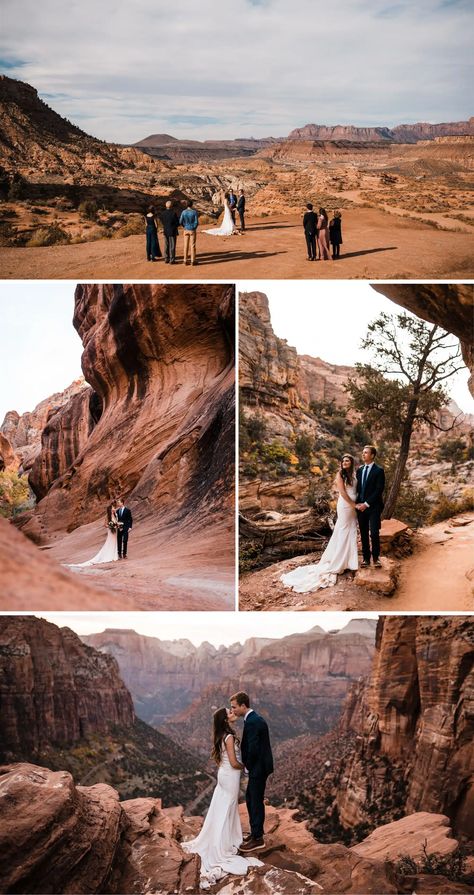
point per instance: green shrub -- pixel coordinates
(303, 450)
(453, 866)
(445, 506)
(453, 450)
(15, 493)
(89, 209)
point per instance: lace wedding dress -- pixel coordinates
(221, 834)
(107, 553)
(227, 228)
(340, 553)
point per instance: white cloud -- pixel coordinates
(125, 70)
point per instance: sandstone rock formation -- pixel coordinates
(9, 461)
(450, 305)
(175, 685)
(407, 836)
(415, 732)
(155, 425)
(402, 133)
(24, 431)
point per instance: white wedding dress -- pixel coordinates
(221, 834)
(340, 553)
(227, 228)
(107, 553)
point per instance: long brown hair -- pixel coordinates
(347, 474)
(220, 728)
(109, 512)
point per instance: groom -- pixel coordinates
(258, 760)
(124, 517)
(369, 505)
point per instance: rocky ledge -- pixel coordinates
(60, 837)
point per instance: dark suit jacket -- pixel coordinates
(256, 750)
(170, 221)
(374, 487)
(232, 201)
(310, 222)
(241, 204)
(125, 519)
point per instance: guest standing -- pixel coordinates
(170, 222)
(335, 234)
(152, 245)
(189, 221)
(310, 226)
(323, 235)
(241, 210)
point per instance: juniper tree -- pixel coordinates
(402, 388)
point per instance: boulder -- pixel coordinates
(382, 581)
(408, 836)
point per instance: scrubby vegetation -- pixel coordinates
(15, 494)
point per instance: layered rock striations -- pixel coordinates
(402, 133)
(54, 688)
(415, 731)
(156, 424)
(24, 431)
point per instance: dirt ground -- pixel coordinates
(439, 575)
(377, 245)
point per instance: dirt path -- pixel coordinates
(377, 245)
(439, 576)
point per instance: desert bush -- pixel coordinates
(51, 235)
(303, 450)
(250, 553)
(134, 225)
(275, 453)
(453, 866)
(89, 209)
(446, 506)
(256, 428)
(412, 505)
(453, 450)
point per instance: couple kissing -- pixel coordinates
(221, 844)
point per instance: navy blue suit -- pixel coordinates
(370, 519)
(125, 517)
(258, 759)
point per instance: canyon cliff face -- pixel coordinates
(299, 682)
(157, 423)
(402, 133)
(415, 730)
(55, 689)
(24, 431)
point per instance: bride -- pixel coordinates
(341, 551)
(109, 550)
(221, 834)
(227, 227)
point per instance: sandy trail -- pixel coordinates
(377, 245)
(439, 576)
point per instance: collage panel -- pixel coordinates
(110, 722)
(356, 463)
(117, 446)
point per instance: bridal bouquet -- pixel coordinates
(112, 525)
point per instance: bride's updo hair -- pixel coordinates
(221, 728)
(347, 474)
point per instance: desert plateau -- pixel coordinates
(373, 784)
(152, 419)
(73, 205)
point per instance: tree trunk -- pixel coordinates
(401, 463)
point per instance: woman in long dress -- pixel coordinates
(221, 834)
(227, 227)
(341, 551)
(153, 250)
(109, 550)
(323, 235)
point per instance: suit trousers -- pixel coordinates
(122, 541)
(242, 219)
(311, 244)
(170, 248)
(369, 527)
(254, 798)
(189, 237)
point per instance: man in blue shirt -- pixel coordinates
(189, 222)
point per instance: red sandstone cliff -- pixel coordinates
(415, 729)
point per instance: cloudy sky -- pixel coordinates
(211, 69)
(215, 627)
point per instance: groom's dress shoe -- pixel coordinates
(364, 564)
(247, 837)
(377, 564)
(252, 845)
